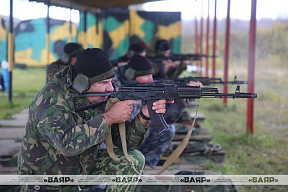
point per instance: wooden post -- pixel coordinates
(10, 51)
(226, 54)
(47, 38)
(85, 30)
(196, 35)
(214, 42)
(251, 67)
(201, 39)
(207, 42)
(70, 26)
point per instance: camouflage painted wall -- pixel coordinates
(164, 25)
(116, 31)
(3, 39)
(30, 41)
(108, 29)
(119, 27)
(94, 31)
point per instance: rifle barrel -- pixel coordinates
(229, 95)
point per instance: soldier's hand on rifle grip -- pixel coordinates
(119, 112)
(159, 106)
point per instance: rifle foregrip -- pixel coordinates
(156, 118)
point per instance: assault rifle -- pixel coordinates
(180, 57)
(203, 80)
(151, 92)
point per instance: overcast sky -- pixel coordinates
(240, 9)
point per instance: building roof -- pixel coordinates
(92, 5)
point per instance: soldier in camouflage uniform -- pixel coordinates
(166, 68)
(61, 141)
(140, 70)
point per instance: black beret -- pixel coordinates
(123, 58)
(72, 49)
(162, 45)
(136, 47)
(94, 63)
(141, 65)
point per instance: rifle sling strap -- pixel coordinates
(109, 142)
(108, 137)
(177, 152)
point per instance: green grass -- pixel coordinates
(26, 83)
(29, 80)
(266, 151)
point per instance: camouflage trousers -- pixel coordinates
(155, 144)
(105, 165)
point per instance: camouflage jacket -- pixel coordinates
(59, 141)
